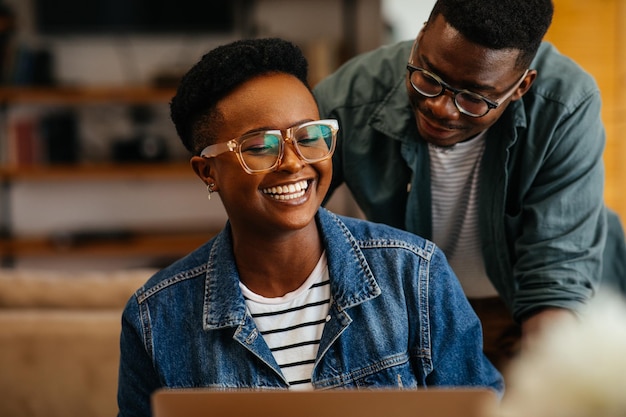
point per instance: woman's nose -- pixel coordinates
(291, 160)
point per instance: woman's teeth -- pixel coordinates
(287, 192)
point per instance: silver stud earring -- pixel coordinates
(210, 189)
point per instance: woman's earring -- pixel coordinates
(210, 188)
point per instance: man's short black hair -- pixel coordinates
(218, 73)
(499, 24)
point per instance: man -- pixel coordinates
(489, 142)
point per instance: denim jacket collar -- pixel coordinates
(228, 309)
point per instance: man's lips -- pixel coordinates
(434, 130)
(434, 126)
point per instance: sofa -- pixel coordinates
(59, 341)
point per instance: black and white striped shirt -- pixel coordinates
(292, 325)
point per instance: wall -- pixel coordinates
(594, 35)
(405, 17)
(135, 59)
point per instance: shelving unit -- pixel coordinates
(162, 243)
(147, 244)
(108, 171)
(81, 95)
(335, 32)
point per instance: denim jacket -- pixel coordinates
(398, 318)
(542, 218)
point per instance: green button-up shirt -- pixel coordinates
(541, 209)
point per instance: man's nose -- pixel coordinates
(443, 106)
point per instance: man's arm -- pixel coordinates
(562, 217)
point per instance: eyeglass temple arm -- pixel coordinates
(218, 149)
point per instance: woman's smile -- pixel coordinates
(287, 191)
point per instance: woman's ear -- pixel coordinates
(203, 168)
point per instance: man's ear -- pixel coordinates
(203, 167)
(525, 85)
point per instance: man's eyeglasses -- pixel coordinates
(263, 151)
(472, 104)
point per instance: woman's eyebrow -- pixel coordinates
(265, 128)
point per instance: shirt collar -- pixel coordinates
(351, 279)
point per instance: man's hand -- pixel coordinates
(534, 325)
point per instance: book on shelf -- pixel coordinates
(34, 138)
(23, 142)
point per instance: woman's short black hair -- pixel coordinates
(218, 73)
(499, 24)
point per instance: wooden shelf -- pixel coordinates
(109, 171)
(151, 244)
(85, 95)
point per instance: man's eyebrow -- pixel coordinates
(468, 86)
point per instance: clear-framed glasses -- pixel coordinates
(263, 151)
(472, 104)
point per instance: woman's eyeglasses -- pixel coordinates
(263, 151)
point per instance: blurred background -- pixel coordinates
(92, 175)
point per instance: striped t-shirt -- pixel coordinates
(454, 173)
(292, 325)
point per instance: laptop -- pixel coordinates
(431, 402)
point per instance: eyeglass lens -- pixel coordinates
(260, 151)
(429, 86)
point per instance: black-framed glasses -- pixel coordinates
(263, 151)
(472, 104)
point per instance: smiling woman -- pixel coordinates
(288, 107)
(288, 295)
